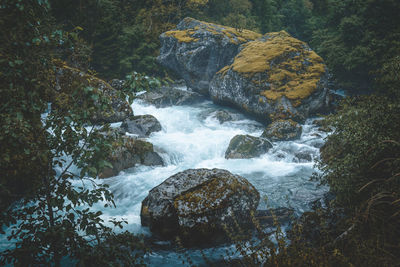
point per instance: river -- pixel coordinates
(191, 137)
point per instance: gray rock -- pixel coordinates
(223, 116)
(169, 96)
(269, 82)
(152, 159)
(197, 50)
(247, 146)
(282, 130)
(304, 156)
(142, 125)
(128, 152)
(199, 206)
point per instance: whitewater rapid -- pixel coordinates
(191, 137)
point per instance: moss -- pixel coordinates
(290, 68)
(212, 195)
(183, 36)
(235, 36)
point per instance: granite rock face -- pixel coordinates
(196, 50)
(199, 206)
(282, 130)
(247, 146)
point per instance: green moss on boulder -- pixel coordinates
(200, 206)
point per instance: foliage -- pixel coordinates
(137, 82)
(25, 87)
(361, 164)
(358, 37)
(46, 156)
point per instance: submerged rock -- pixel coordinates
(282, 130)
(68, 78)
(128, 152)
(200, 206)
(247, 146)
(169, 96)
(276, 76)
(142, 125)
(304, 156)
(196, 50)
(223, 116)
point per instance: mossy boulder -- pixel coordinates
(196, 50)
(247, 146)
(68, 79)
(282, 130)
(200, 206)
(276, 76)
(128, 152)
(142, 125)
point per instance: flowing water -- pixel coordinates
(192, 137)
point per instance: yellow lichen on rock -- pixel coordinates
(291, 69)
(235, 36)
(183, 36)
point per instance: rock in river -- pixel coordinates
(276, 76)
(247, 146)
(170, 96)
(142, 125)
(128, 152)
(283, 130)
(196, 50)
(200, 206)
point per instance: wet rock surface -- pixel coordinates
(247, 146)
(171, 96)
(282, 130)
(200, 206)
(127, 152)
(142, 125)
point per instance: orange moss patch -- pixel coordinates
(291, 68)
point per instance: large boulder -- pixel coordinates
(196, 50)
(247, 146)
(276, 76)
(142, 125)
(128, 152)
(200, 206)
(282, 130)
(169, 96)
(68, 79)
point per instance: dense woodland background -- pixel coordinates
(358, 39)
